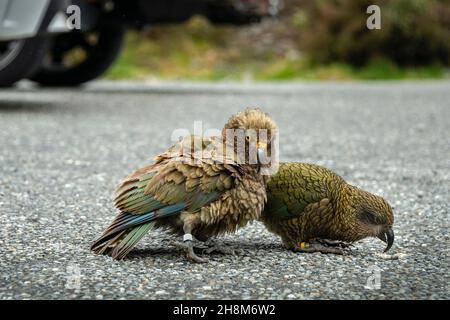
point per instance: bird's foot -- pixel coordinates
(191, 254)
(334, 243)
(223, 249)
(188, 247)
(317, 247)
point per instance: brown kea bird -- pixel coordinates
(197, 188)
(313, 209)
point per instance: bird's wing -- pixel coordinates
(182, 177)
(292, 190)
(158, 191)
(175, 186)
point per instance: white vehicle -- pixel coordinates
(69, 42)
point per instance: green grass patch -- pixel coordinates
(199, 51)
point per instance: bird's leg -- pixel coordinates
(181, 245)
(221, 248)
(187, 240)
(315, 246)
(333, 243)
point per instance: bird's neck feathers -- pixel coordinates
(356, 202)
(253, 172)
(343, 223)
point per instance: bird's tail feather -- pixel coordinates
(131, 238)
(123, 234)
(128, 228)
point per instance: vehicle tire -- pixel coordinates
(20, 58)
(78, 57)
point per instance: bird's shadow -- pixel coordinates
(155, 251)
(24, 106)
(174, 251)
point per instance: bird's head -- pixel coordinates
(252, 134)
(373, 217)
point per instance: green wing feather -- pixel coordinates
(163, 189)
(297, 185)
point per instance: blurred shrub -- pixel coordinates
(413, 32)
(295, 45)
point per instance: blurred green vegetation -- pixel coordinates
(413, 32)
(312, 40)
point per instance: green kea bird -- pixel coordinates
(313, 209)
(198, 191)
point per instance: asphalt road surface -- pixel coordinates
(64, 151)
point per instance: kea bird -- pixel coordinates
(200, 187)
(313, 209)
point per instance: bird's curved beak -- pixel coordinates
(261, 152)
(387, 237)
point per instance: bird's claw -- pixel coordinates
(189, 248)
(334, 243)
(191, 254)
(318, 247)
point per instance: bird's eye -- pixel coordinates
(247, 138)
(369, 217)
